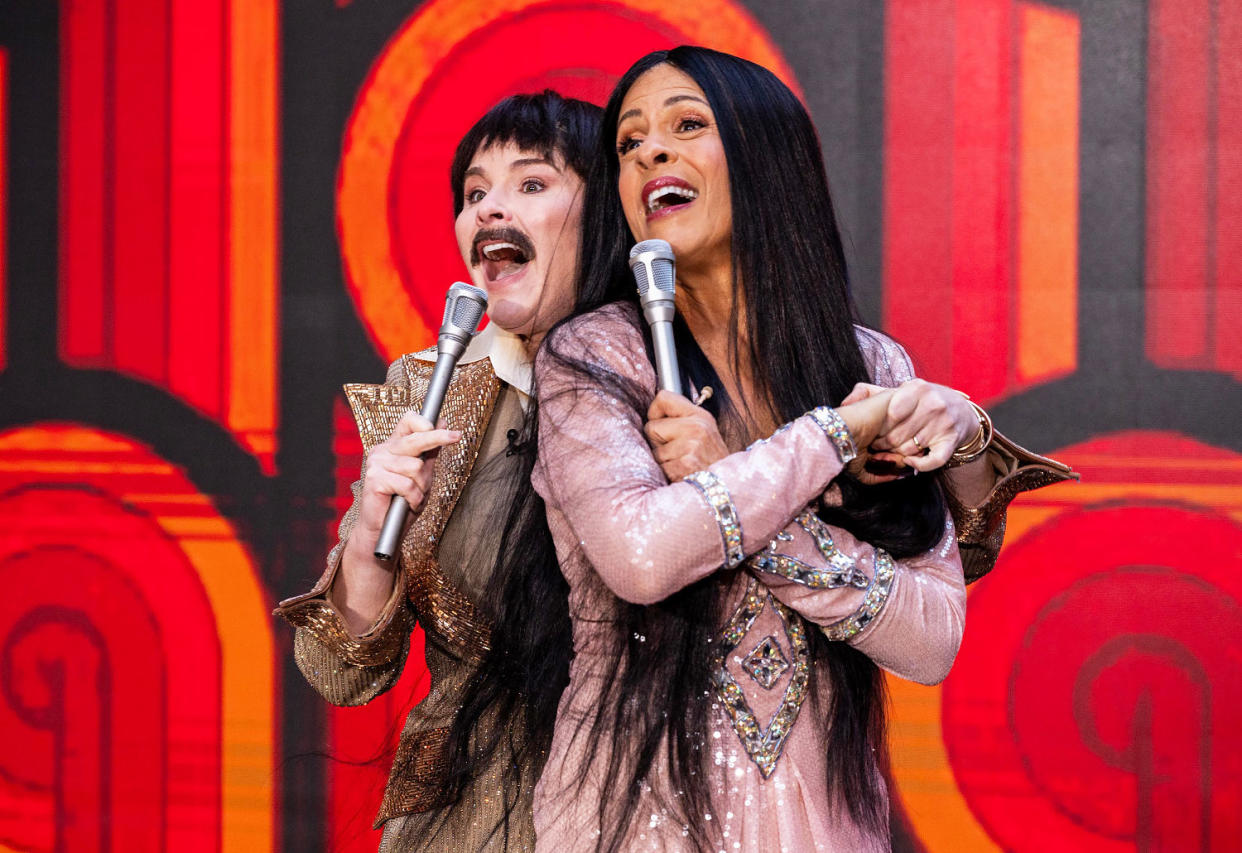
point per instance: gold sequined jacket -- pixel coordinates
(446, 554)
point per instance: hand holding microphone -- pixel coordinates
(683, 436)
(463, 309)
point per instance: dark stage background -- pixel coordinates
(217, 212)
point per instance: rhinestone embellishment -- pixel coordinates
(842, 569)
(837, 432)
(721, 503)
(766, 663)
(873, 599)
(763, 744)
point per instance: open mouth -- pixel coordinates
(501, 252)
(667, 192)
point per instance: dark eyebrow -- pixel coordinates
(516, 164)
(533, 161)
(668, 103)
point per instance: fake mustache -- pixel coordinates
(503, 234)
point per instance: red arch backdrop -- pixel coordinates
(214, 214)
(135, 655)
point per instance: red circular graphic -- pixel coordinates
(448, 64)
(1100, 712)
(136, 657)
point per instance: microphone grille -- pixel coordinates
(465, 306)
(652, 264)
(641, 278)
(662, 272)
(467, 313)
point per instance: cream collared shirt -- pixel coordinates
(508, 356)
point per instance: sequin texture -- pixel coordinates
(352, 670)
(627, 537)
(981, 528)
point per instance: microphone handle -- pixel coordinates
(437, 386)
(394, 521)
(659, 311)
(665, 356)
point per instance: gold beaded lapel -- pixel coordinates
(467, 407)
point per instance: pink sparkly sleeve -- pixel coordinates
(907, 615)
(648, 539)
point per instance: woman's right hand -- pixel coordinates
(398, 467)
(684, 438)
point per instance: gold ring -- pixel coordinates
(918, 444)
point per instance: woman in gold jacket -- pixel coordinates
(516, 181)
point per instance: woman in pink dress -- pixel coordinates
(738, 571)
(737, 575)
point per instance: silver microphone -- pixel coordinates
(463, 308)
(652, 263)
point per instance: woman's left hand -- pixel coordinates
(925, 423)
(684, 437)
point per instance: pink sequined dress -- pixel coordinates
(623, 532)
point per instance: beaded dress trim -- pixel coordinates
(766, 663)
(763, 743)
(833, 425)
(873, 600)
(843, 569)
(721, 503)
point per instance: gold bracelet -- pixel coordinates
(973, 449)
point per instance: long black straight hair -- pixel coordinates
(801, 344)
